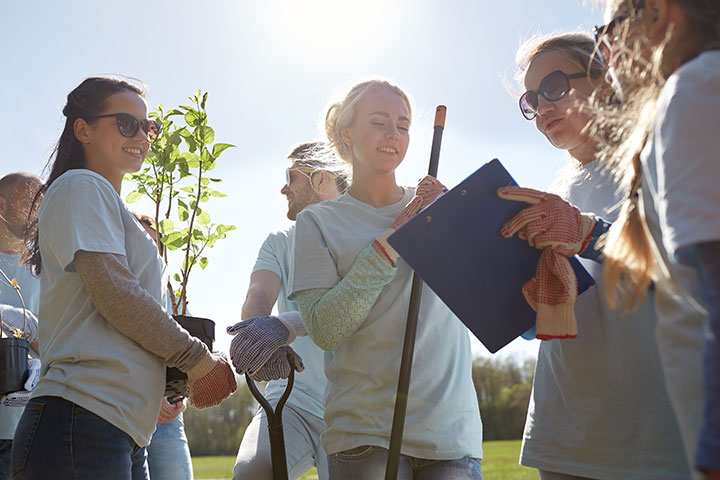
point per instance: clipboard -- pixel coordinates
(456, 247)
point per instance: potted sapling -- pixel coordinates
(176, 178)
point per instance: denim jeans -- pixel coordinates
(168, 453)
(59, 439)
(369, 462)
(5, 446)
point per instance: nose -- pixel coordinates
(284, 189)
(544, 106)
(392, 130)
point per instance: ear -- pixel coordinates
(81, 130)
(345, 135)
(659, 19)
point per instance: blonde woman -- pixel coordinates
(588, 416)
(666, 65)
(353, 293)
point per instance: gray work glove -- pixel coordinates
(256, 340)
(278, 365)
(20, 399)
(12, 318)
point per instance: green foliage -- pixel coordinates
(503, 389)
(174, 178)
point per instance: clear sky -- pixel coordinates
(271, 68)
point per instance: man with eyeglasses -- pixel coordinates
(17, 191)
(315, 175)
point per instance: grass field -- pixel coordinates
(500, 461)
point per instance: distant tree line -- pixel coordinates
(503, 389)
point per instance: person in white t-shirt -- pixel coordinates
(105, 337)
(315, 175)
(353, 293)
(664, 58)
(589, 416)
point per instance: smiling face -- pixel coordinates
(107, 152)
(562, 121)
(379, 135)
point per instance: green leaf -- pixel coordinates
(176, 277)
(205, 181)
(218, 148)
(204, 99)
(192, 159)
(183, 212)
(203, 262)
(207, 134)
(133, 197)
(191, 117)
(166, 226)
(215, 193)
(202, 218)
(187, 189)
(191, 143)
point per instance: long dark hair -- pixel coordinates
(87, 100)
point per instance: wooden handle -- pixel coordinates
(440, 112)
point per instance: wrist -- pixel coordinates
(202, 368)
(293, 322)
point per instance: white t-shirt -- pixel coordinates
(680, 197)
(443, 420)
(84, 358)
(599, 407)
(276, 256)
(30, 290)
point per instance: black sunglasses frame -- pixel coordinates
(137, 125)
(540, 91)
(600, 31)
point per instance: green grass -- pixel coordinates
(500, 461)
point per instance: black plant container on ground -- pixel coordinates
(13, 364)
(202, 328)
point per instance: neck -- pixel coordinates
(9, 243)
(377, 190)
(584, 153)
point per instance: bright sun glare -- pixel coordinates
(331, 25)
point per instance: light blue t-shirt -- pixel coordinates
(599, 407)
(84, 358)
(276, 256)
(443, 419)
(30, 290)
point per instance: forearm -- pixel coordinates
(257, 304)
(705, 258)
(332, 315)
(120, 299)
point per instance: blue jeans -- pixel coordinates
(168, 453)
(59, 439)
(369, 462)
(5, 446)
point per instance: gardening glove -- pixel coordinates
(279, 365)
(560, 230)
(20, 399)
(427, 191)
(12, 318)
(170, 411)
(210, 381)
(257, 339)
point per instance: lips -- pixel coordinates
(391, 150)
(135, 151)
(550, 124)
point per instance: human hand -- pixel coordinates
(12, 318)
(279, 365)
(210, 381)
(256, 340)
(550, 223)
(427, 191)
(20, 399)
(170, 411)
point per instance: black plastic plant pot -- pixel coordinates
(202, 328)
(13, 364)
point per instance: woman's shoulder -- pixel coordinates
(700, 77)
(79, 181)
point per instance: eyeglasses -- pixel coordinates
(128, 125)
(553, 87)
(305, 171)
(602, 32)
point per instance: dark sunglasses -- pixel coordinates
(128, 125)
(601, 33)
(553, 87)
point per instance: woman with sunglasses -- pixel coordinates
(665, 63)
(105, 339)
(353, 294)
(589, 415)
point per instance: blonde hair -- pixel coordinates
(629, 262)
(341, 114)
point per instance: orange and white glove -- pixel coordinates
(210, 381)
(560, 230)
(427, 191)
(170, 411)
